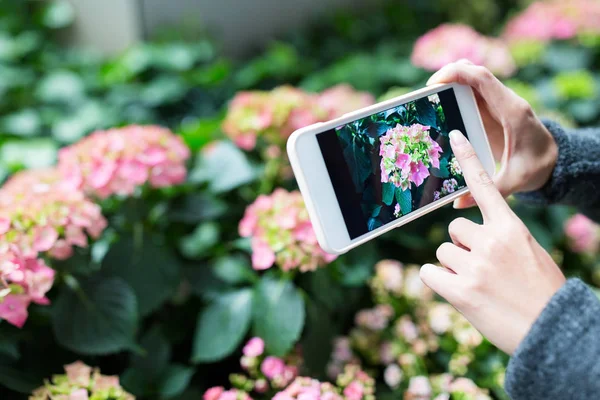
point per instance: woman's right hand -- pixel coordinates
(522, 145)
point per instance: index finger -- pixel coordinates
(486, 195)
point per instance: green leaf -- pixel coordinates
(425, 112)
(388, 193)
(198, 132)
(442, 171)
(149, 268)
(100, 318)
(377, 129)
(26, 122)
(404, 198)
(359, 163)
(61, 86)
(18, 380)
(197, 244)
(175, 380)
(156, 356)
(223, 166)
(196, 207)
(203, 281)
(222, 325)
(32, 153)
(135, 381)
(316, 342)
(278, 314)
(58, 14)
(234, 269)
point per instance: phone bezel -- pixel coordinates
(316, 186)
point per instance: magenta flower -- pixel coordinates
(406, 154)
(451, 42)
(281, 233)
(117, 161)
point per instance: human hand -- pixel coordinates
(496, 275)
(525, 149)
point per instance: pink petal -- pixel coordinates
(4, 225)
(262, 255)
(45, 239)
(13, 309)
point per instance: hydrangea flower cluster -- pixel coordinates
(443, 387)
(341, 99)
(353, 383)
(451, 42)
(81, 382)
(281, 233)
(273, 115)
(117, 161)
(39, 215)
(399, 335)
(583, 234)
(406, 154)
(448, 186)
(275, 378)
(455, 167)
(544, 21)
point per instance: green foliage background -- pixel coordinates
(167, 296)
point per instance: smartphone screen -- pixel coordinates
(394, 162)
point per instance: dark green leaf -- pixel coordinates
(18, 380)
(377, 129)
(101, 320)
(148, 267)
(425, 112)
(196, 207)
(157, 352)
(404, 198)
(203, 280)
(376, 211)
(135, 381)
(197, 244)
(374, 223)
(359, 163)
(388, 193)
(278, 314)
(234, 269)
(316, 342)
(442, 171)
(222, 325)
(175, 380)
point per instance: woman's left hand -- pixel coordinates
(496, 274)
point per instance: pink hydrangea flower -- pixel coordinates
(451, 42)
(254, 348)
(543, 21)
(272, 367)
(390, 273)
(272, 116)
(281, 233)
(406, 154)
(583, 234)
(419, 388)
(117, 161)
(342, 99)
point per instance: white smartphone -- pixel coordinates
(382, 166)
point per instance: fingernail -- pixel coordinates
(457, 138)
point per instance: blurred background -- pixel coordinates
(69, 68)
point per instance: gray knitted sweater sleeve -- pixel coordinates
(560, 356)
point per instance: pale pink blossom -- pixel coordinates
(281, 233)
(254, 348)
(272, 367)
(119, 160)
(341, 99)
(451, 42)
(583, 234)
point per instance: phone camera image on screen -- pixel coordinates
(394, 162)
